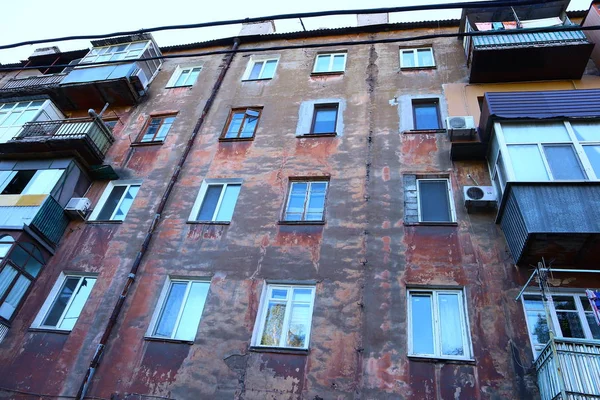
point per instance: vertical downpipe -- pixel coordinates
(85, 384)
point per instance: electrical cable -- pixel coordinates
(315, 45)
(447, 6)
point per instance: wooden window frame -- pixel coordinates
(162, 117)
(230, 118)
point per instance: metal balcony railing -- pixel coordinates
(90, 130)
(527, 39)
(573, 374)
(32, 82)
(50, 221)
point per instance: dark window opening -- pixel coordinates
(19, 182)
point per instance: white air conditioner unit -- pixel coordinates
(479, 197)
(139, 80)
(78, 207)
(460, 128)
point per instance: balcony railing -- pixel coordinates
(578, 363)
(50, 221)
(32, 82)
(528, 39)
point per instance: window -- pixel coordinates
(285, 316)
(20, 265)
(123, 51)
(417, 58)
(435, 200)
(184, 77)
(260, 69)
(241, 123)
(426, 114)
(111, 124)
(156, 129)
(571, 314)
(335, 62)
(179, 309)
(65, 302)
(116, 201)
(324, 119)
(29, 181)
(546, 151)
(14, 115)
(438, 324)
(216, 201)
(306, 201)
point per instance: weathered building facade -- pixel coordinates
(291, 223)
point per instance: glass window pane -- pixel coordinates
(192, 311)
(14, 297)
(43, 181)
(316, 202)
(269, 70)
(182, 78)
(587, 131)
(33, 266)
(421, 324)
(111, 202)
(280, 294)
(193, 76)
(79, 299)
(249, 124)
(19, 256)
(255, 73)
(273, 328)
(433, 201)
(325, 120)
(535, 132)
(170, 311)
(527, 163)
(563, 162)
(591, 320)
(322, 63)
(304, 295)
(564, 303)
(539, 327)
(228, 203)
(151, 130)
(425, 57)
(164, 128)
(298, 325)
(570, 325)
(408, 59)
(126, 203)
(209, 203)
(295, 207)
(426, 116)
(338, 62)
(450, 325)
(61, 301)
(593, 154)
(234, 125)
(7, 275)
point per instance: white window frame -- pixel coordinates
(450, 201)
(202, 193)
(256, 59)
(437, 345)
(554, 317)
(262, 313)
(96, 52)
(158, 309)
(106, 194)
(50, 300)
(306, 199)
(178, 72)
(416, 58)
(330, 68)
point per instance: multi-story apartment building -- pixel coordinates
(340, 213)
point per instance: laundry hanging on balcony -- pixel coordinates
(594, 297)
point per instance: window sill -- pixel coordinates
(49, 330)
(423, 131)
(301, 222)
(280, 350)
(209, 222)
(444, 360)
(327, 73)
(167, 340)
(311, 135)
(257, 79)
(249, 139)
(431, 224)
(95, 221)
(152, 143)
(417, 68)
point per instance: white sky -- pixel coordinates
(39, 19)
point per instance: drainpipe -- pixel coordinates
(87, 380)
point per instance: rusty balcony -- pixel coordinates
(569, 369)
(88, 139)
(31, 83)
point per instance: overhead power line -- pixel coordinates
(316, 45)
(475, 4)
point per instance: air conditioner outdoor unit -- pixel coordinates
(78, 207)
(479, 197)
(460, 128)
(139, 80)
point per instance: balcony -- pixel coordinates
(88, 139)
(31, 83)
(509, 49)
(570, 374)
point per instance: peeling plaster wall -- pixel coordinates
(362, 259)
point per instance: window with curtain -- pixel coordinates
(438, 324)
